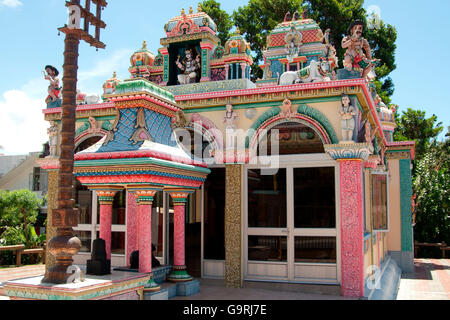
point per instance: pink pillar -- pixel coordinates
(105, 226)
(106, 198)
(132, 223)
(144, 199)
(352, 227)
(243, 68)
(227, 70)
(179, 236)
(145, 238)
(179, 273)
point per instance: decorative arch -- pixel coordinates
(210, 130)
(305, 114)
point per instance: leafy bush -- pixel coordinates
(18, 214)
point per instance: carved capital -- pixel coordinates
(349, 151)
(106, 194)
(180, 197)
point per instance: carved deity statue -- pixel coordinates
(54, 88)
(347, 115)
(231, 118)
(53, 133)
(189, 66)
(293, 43)
(358, 56)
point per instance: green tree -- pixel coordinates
(259, 17)
(337, 15)
(413, 125)
(255, 21)
(432, 187)
(18, 213)
(220, 17)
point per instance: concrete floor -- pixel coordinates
(430, 281)
(210, 290)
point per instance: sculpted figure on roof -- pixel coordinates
(358, 56)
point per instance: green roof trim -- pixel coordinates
(143, 85)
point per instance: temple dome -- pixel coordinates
(142, 57)
(237, 44)
(309, 29)
(109, 87)
(190, 23)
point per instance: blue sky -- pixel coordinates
(28, 31)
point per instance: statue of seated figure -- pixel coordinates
(189, 67)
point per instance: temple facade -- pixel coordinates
(293, 178)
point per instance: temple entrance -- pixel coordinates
(291, 231)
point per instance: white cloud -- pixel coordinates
(22, 125)
(92, 80)
(11, 3)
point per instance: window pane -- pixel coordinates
(314, 198)
(214, 215)
(379, 202)
(118, 242)
(86, 239)
(119, 208)
(267, 199)
(315, 249)
(261, 248)
(83, 200)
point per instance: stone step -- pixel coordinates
(171, 290)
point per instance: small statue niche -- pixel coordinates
(53, 137)
(190, 67)
(347, 115)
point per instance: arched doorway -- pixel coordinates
(291, 221)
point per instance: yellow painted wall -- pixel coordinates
(394, 241)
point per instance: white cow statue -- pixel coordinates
(315, 72)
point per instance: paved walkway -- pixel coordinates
(430, 281)
(9, 274)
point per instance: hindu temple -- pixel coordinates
(293, 178)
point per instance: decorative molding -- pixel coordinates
(348, 151)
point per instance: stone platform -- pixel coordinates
(168, 290)
(116, 286)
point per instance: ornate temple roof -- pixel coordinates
(190, 23)
(310, 33)
(237, 44)
(142, 57)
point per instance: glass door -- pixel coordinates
(267, 224)
(291, 225)
(314, 220)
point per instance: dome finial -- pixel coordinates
(183, 12)
(115, 74)
(238, 31)
(191, 11)
(144, 45)
(199, 8)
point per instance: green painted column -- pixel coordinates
(405, 200)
